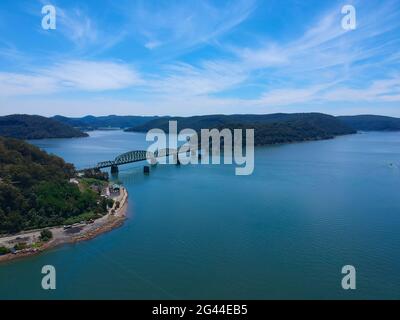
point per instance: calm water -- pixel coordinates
(202, 232)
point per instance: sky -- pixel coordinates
(171, 57)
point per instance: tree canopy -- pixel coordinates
(35, 191)
(22, 126)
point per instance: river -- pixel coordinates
(200, 231)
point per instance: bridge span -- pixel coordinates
(136, 156)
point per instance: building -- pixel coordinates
(115, 189)
(74, 181)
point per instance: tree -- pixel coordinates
(4, 250)
(46, 235)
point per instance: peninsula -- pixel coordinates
(34, 213)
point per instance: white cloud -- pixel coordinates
(152, 106)
(270, 56)
(152, 44)
(14, 84)
(387, 90)
(323, 63)
(93, 76)
(188, 80)
(84, 31)
(77, 26)
(75, 75)
(326, 62)
(289, 96)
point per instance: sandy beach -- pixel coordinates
(82, 232)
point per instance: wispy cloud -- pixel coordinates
(281, 97)
(180, 25)
(84, 29)
(325, 62)
(73, 75)
(77, 26)
(187, 80)
(387, 90)
(14, 84)
(152, 44)
(191, 60)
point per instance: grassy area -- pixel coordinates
(83, 217)
(87, 182)
(4, 250)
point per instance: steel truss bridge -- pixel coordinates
(138, 155)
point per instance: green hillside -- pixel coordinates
(23, 126)
(112, 121)
(35, 191)
(269, 129)
(371, 123)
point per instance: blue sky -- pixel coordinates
(195, 57)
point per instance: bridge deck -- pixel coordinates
(136, 156)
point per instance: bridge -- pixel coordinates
(136, 156)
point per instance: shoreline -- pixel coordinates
(107, 223)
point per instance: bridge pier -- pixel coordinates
(153, 161)
(146, 170)
(176, 159)
(114, 169)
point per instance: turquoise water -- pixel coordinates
(202, 232)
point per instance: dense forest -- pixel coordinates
(35, 191)
(317, 125)
(144, 123)
(269, 129)
(371, 123)
(23, 126)
(112, 121)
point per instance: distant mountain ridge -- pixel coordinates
(213, 121)
(269, 129)
(144, 123)
(22, 126)
(111, 121)
(371, 122)
(278, 126)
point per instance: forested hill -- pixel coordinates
(269, 129)
(112, 121)
(372, 123)
(35, 191)
(23, 126)
(144, 123)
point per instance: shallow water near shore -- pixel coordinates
(201, 232)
